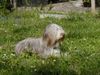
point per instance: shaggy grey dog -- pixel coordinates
(45, 46)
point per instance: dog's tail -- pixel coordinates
(22, 45)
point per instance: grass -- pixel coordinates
(82, 44)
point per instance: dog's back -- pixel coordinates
(29, 43)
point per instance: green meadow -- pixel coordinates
(82, 44)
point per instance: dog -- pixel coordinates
(45, 46)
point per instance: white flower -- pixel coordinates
(4, 54)
(5, 30)
(12, 54)
(42, 61)
(54, 60)
(0, 47)
(35, 69)
(15, 24)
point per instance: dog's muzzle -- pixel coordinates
(62, 36)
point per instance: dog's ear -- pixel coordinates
(47, 38)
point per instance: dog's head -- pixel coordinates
(53, 34)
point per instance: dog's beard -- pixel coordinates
(60, 39)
